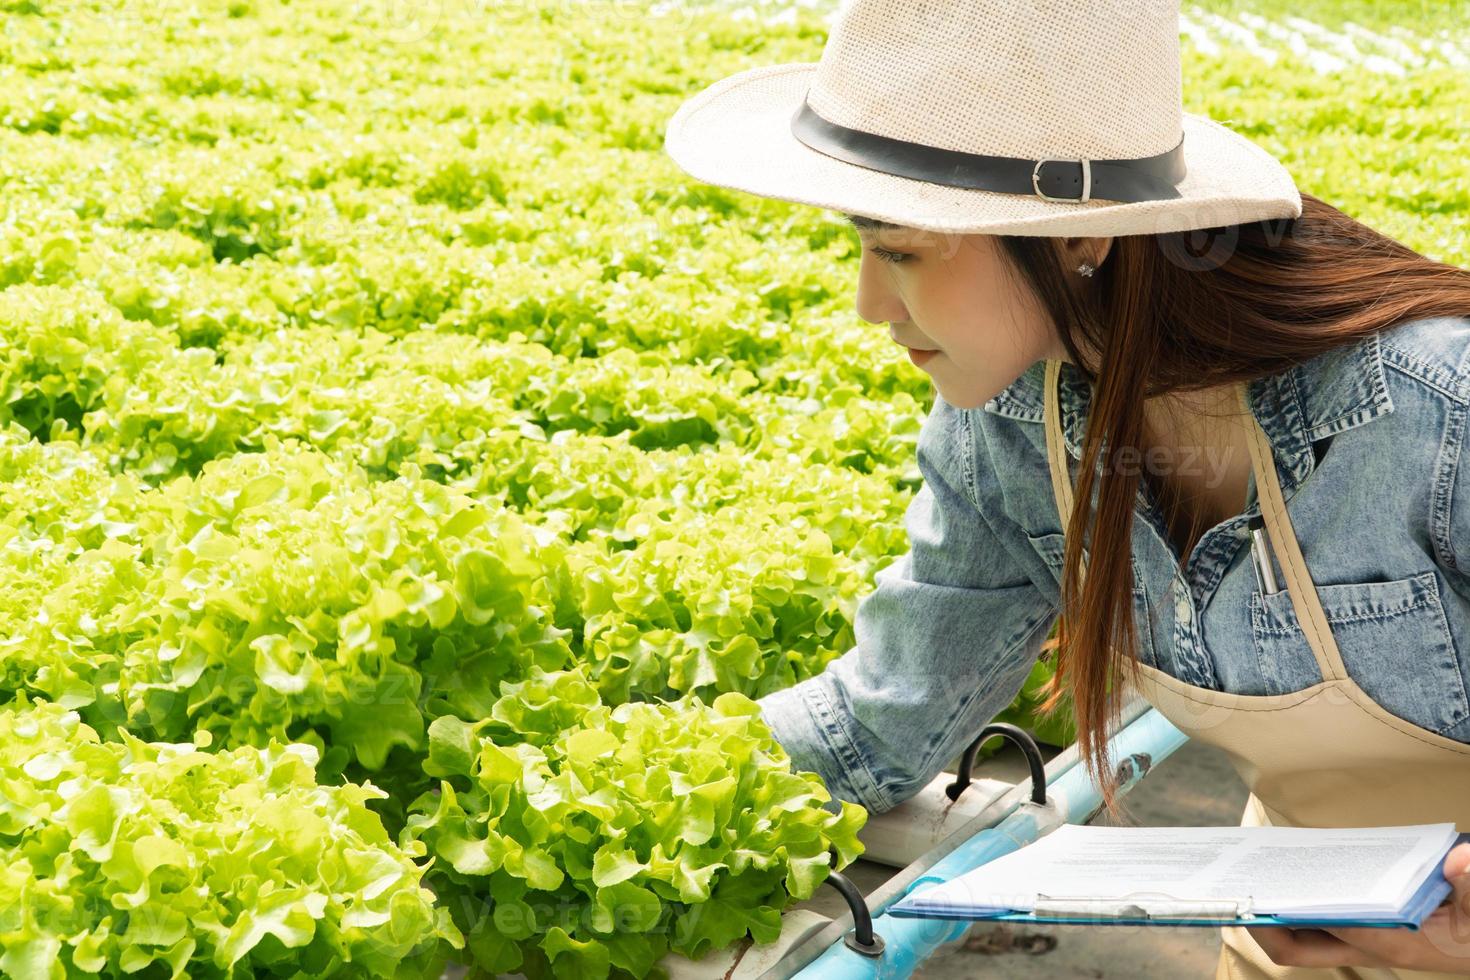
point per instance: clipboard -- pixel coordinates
(1160, 909)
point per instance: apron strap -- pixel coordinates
(1288, 554)
(1056, 447)
(1282, 538)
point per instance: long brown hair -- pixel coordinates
(1186, 311)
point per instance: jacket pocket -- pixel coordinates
(1394, 640)
(1051, 546)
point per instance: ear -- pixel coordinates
(1094, 251)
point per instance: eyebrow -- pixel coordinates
(864, 223)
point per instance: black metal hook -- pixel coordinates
(1023, 741)
(862, 939)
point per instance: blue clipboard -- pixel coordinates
(1171, 911)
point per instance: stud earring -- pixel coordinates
(1085, 269)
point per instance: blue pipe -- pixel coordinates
(908, 941)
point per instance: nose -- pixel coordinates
(877, 300)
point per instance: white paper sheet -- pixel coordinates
(1273, 870)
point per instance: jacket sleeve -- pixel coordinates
(943, 643)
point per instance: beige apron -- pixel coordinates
(1324, 756)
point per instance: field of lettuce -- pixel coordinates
(409, 479)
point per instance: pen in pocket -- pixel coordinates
(1261, 556)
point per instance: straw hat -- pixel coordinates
(1022, 117)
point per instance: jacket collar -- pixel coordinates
(1334, 391)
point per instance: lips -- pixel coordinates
(911, 346)
(916, 354)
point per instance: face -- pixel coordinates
(968, 322)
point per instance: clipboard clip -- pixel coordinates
(1141, 905)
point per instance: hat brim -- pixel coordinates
(737, 134)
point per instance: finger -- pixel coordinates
(1276, 942)
(1319, 947)
(1310, 947)
(1457, 861)
(1386, 945)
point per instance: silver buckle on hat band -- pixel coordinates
(1086, 181)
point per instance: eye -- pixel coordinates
(888, 256)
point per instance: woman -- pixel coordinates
(1131, 306)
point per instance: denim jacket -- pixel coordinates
(1367, 440)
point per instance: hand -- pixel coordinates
(1442, 942)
